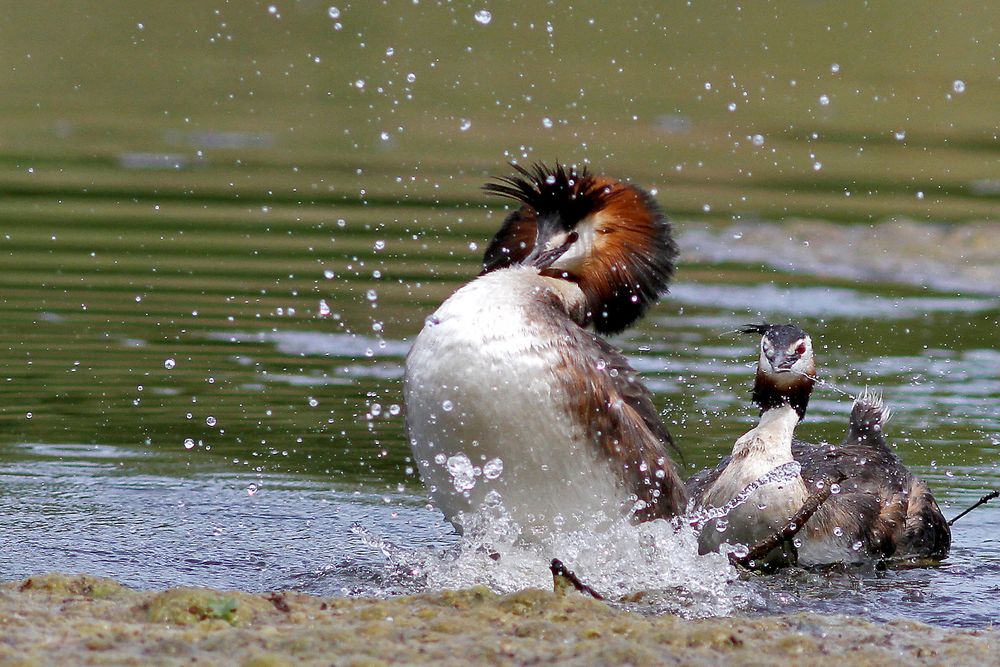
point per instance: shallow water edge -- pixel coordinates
(96, 621)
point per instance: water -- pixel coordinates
(279, 512)
(213, 264)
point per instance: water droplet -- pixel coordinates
(380, 245)
(440, 459)
(313, 402)
(394, 409)
(333, 12)
(817, 166)
(835, 489)
(447, 405)
(721, 525)
(169, 364)
(835, 68)
(838, 531)
(758, 140)
(483, 16)
(899, 135)
(492, 468)
(251, 489)
(210, 420)
(732, 106)
(464, 124)
(857, 546)
(824, 100)
(29, 415)
(463, 475)
(376, 409)
(958, 86)
(411, 77)
(372, 295)
(547, 122)
(188, 443)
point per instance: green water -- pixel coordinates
(181, 185)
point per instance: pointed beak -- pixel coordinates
(542, 255)
(780, 362)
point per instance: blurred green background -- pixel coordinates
(185, 181)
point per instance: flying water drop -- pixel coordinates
(492, 468)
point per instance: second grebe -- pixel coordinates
(508, 393)
(881, 511)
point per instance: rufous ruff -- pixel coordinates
(509, 394)
(881, 510)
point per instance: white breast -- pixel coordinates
(485, 412)
(759, 451)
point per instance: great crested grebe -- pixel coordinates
(882, 511)
(506, 389)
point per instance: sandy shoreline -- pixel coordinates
(56, 618)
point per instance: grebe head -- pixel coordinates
(786, 369)
(609, 237)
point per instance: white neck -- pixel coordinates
(772, 436)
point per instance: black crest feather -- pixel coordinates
(759, 329)
(565, 191)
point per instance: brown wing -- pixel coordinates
(618, 414)
(881, 503)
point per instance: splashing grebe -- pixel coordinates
(882, 511)
(507, 392)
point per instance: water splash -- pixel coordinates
(786, 472)
(652, 567)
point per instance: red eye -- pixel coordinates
(801, 349)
